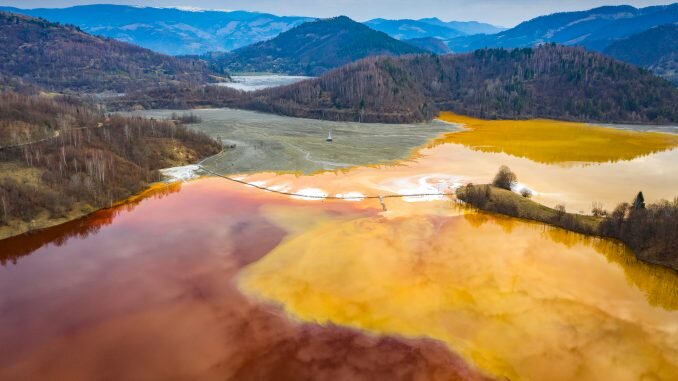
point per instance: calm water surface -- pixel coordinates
(216, 280)
(330, 290)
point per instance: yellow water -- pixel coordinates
(520, 300)
(552, 141)
(436, 168)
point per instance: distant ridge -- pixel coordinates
(467, 27)
(594, 29)
(430, 44)
(410, 29)
(655, 49)
(313, 48)
(172, 31)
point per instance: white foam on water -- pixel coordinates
(257, 184)
(431, 187)
(310, 194)
(280, 188)
(351, 196)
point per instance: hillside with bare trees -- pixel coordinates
(63, 58)
(550, 81)
(81, 160)
(546, 82)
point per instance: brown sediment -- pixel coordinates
(148, 293)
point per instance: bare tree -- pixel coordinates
(504, 178)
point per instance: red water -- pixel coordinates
(146, 291)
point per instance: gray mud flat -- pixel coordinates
(266, 142)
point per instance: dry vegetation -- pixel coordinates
(82, 169)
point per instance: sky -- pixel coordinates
(499, 12)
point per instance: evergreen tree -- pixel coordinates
(639, 202)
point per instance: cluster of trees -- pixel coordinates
(92, 162)
(63, 58)
(651, 231)
(189, 118)
(179, 96)
(26, 117)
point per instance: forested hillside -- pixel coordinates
(546, 82)
(88, 161)
(313, 48)
(655, 50)
(63, 58)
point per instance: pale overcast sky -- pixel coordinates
(499, 12)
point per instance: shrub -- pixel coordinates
(597, 209)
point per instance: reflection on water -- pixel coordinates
(18, 246)
(521, 300)
(443, 166)
(551, 142)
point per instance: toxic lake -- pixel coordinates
(215, 279)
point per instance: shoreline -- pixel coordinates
(513, 205)
(28, 228)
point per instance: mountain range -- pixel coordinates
(170, 30)
(410, 29)
(594, 29)
(313, 48)
(189, 32)
(405, 29)
(466, 27)
(64, 58)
